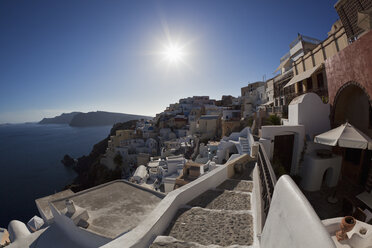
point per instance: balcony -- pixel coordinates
(321, 92)
(279, 110)
(288, 74)
(286, 56)
(305, 39)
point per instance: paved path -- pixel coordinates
(218, 217)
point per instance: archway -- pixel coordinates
(353, 104)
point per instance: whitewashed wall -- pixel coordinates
(291, 221)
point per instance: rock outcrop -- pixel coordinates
(68, 161)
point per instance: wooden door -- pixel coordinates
(283, 151)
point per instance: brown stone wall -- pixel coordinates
(228, 127)
(353, 64)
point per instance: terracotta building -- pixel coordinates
(349, 76)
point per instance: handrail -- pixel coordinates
(285, 56)
(304, 38)
(267, 180)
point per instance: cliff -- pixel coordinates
(98, 118)
(61, 119)
(90, 172)
(101, 118)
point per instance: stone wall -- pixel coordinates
(353, 64)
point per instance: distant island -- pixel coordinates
(61, 119)
(98, 118)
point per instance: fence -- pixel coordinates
(267, 180)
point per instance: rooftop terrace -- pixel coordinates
(43, 204)
(114, 208)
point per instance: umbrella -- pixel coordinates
(345, 136)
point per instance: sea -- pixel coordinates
(30, 163)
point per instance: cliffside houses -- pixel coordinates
(184, 128)
(131, 147)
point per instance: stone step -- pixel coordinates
(247, 173)
(223, 200)
(170, 242)
(236, 185)
(211, 227)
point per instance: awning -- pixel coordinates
(345, 136)
(283, 64)
(303, 75)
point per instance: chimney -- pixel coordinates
(70, 206)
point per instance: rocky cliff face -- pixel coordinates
(61, 119)
(101, 118)
(90, 172)
(98, 118)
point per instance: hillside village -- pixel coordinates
(206, 131)
(243, 170)
(197, 132)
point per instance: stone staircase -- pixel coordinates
(244, 145)
(218, 217)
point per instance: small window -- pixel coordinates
(309, 84)
(320, 80)
(300, 87)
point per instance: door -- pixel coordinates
(283, 151)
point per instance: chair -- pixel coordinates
(359, 215)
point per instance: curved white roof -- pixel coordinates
(306, 97)
(140, 172)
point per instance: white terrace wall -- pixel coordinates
(80, 236)
(291, 221)
(158, 220)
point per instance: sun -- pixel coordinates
(174, 53)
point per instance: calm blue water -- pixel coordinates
(30, 166)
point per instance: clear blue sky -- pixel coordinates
(80, 55)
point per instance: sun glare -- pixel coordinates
(174, 53)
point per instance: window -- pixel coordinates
(320, 80)
(300, 87)
(309, 84)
